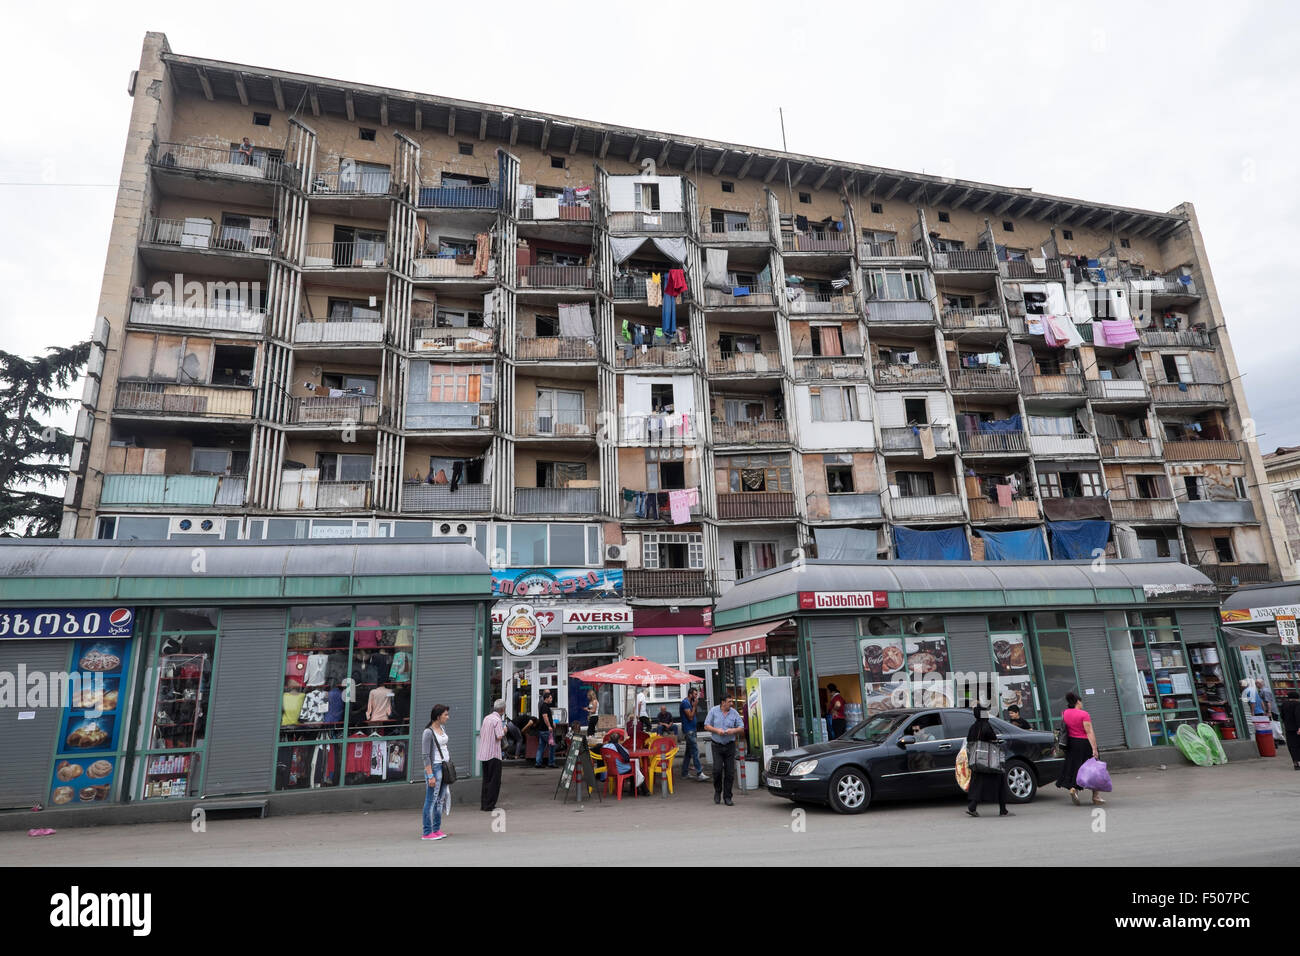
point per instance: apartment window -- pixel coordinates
(558, 474)
(731, 342)
(736, 410)
(356, 384)
(452, 246)
(1223, 548)
(953, 301)
(1123, 244)
(1008, 226)
(1015, 255)
(455, 383)
(877, 208)
(728, 187)
(1195, 487)
(646, 196)
(661, 396)
(839, 479)
(218, 461)
(261, 119)
(834, 403)
(805, 197)
(914, 484)
(1239, 485)
(915, 411)
(457, 319)
(548, 326)
(1047, 364)
(944, 217)
(740, 474)
(1295, 501)
(754, 556)
(559, 411)
(1067, 234)
(1062, 425)
(665, 469)
(1178, 368)
(1147, 486)
(233, 365)
(466, 149)
(367, 134)
(353, 310)
(827, 340)
(337, 467)
(898, 284)
(672, 550)
(1050, 482)
(1090, 484)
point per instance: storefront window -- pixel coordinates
(346, 705)
(184, 652)
(1056, 661)
(904, 663)
(1153, 675)
(1011, 664)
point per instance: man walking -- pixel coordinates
(687, 714)
(725, 725)
(489, 754)
(545, 732)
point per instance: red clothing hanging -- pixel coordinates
(676, 283)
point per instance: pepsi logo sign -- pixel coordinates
(119, 621)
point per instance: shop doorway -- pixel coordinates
(530, 677)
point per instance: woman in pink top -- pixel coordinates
(1083, 745)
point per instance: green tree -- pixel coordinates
(33, 454)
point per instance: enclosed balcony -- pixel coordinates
(907, 439)
(1117, 390)
(189, 491)
(756, 504)
(907, 375)
(667, 584)
(847, 506)
(557, 501)
(423, 498)
(302, 490)
(926, 507)
(1130, 447)
(1201, 449)
(216, 317)
(1143, 509)
(655, 221)
(1061, 443)
(160, 398)
(899, 312)
(1205, 513)
(1189, 393)
(360, 330)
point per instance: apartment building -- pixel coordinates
(334, 309)
(1282, 469)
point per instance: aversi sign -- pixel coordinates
(842, 600)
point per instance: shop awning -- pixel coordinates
(1242, 637)
(739, 641)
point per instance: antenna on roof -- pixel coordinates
(789, 186)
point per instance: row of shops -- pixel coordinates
(152, 672)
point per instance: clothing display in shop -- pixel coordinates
(314, 706)
(324, 765)
(292, 707)
(482, 253)
(334, 707)
(295, 669)
(680, 503)
(373, 669)
(317, 664)
(380, 704)
(367, 632)
(379, 759)
(400, 670)
(358, 754)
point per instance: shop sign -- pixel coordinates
(1286, 629)
(714, 652)
(558, 582)
(521, 631)
(86, 757)
(1180, 592)
(1255, 615)
(47, 622)
(842, 600)
(589, 619)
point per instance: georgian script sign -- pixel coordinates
(53, 622)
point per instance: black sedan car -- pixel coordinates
(905, 754)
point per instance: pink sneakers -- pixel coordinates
(435, 835)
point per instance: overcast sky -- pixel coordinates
(1140, 104)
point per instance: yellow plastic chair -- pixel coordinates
(662, 763)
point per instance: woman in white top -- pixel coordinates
(433, 746)
(593, 710)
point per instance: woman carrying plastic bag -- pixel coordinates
(1081, 748)
(984, 753)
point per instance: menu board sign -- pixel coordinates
(86, 763)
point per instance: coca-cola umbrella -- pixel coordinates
(635, 672)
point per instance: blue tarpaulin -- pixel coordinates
(1078, 540)
(1027, 545)
(948, 544)
(1002, 425)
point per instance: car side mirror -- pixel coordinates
(906, 741)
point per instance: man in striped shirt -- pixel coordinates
(489, 754)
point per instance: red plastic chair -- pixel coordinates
(663, 750)
(613, 776)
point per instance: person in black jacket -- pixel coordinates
(985, 785)
(1290, 711)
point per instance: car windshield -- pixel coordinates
(875, 729)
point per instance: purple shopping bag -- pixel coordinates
(1093, 775)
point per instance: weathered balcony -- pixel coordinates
(556, 422)
(819, 303)
(658, 427)
(346, 331)
(422, 498)
(1077, 508)
(1158, 338)
(460, 197)
(994, 443)
(555, 277)
(964, 260)
(750, 232)
(1024, 269)
(667, 584)
(899, 312)
(345, 255)
(754, 296)
(1231, 576)
(212, 318)
(1201, 449)
(564, 211)
(451, 416)
(301, 491)
(925, 507)
(1020, 509)
(658, 221)
(756, 504)
(1224, 513)
(992, 378)
(628, 355)
(161, 398)
(844, 506)
(736, 363)
(1130, 447)
(891, 249)
(1189, 393)
(652, 505)
(341, 410)
(973, 319)
(222, 161)
(1117, 390)
(427, 337)
(1066, 385)
(450, 267)
(563, 348)
(557, 501)
(750, 433)
(907, 439)
(1168, 285)
(1143, 509)
(826, 369)
(836, 242)
(202, 234)
(1054, 444)
(353, 182)
(891, 375)
(190, 491)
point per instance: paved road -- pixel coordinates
(1247, 813)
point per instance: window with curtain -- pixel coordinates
(914, 484)
(455, 383)
(739, 474)
(834, 403)
(1053, 425)
(558, 408)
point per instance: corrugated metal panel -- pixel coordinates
(26, 745)
(968, 643)
(835, 645)
(1199, 625)
(232, 490)
(245, 702)
(1093, 667)
(446, 648)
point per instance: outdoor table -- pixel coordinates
(646, 756)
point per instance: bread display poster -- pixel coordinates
(91, 728)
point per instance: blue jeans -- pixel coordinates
(545, 749)
(692, 753)
(670, 315)
(433, 802)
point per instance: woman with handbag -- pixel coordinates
(439, 771)
(1080, 745)
(988, 782)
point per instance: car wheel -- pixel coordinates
(850, 790)
(1021, 782)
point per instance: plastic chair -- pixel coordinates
(597, 762)
(615, 778)
(662, 761)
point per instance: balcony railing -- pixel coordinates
(1025, 270)
(1163, 285)
(992, 378)
(899, 311)
(565, 348)
(1158, 338)
(430, 338)
(839, 242)
(459, 197)
(556, 423)
(565, 212)
(1113, 389)
(754, 296)
(890, 249)
(200, 234)
(1020, 509)
(1231, 576)
(820, 303)
(1189, 393)
(1076, 444)
(353, 182)
(656, 427)
(908, 438)
(756, 504)
(190, 491)
(752, 231)
(731, 363)
(1129, 447)
(199, 400)
(223, 161)
(653, 356)
(840, 367)
(926, 506)
(888, 374)
(973, 319)
(1202, 449)
(449, 267)
(345, 255)
(965, 260)
(667, 584)
(348, 409)
(339, 330)
(557, 501)
(646, 222)
(651, 505)
(213, 318)
(1066, 384)
(448, 416)
(297, 494)
(555, 277)
(993, 443)
(1143, 509)
(750, 433)
(422, 497)
(847, 505)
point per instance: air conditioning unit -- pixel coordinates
(616, 553)
(200, 524)
(455, 529)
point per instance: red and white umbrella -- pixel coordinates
(635, 672)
